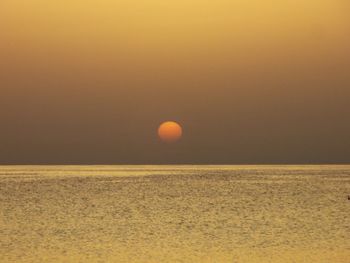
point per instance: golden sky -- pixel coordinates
(249, 80)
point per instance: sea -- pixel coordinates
(170, 214)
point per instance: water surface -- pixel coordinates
(153, 214)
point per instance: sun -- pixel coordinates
(170, 131)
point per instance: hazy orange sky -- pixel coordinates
(250, 81)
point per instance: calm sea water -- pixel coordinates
(161, 214)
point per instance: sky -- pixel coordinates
(250, 81)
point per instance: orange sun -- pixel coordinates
(170, 131)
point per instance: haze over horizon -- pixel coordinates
(89, 82)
